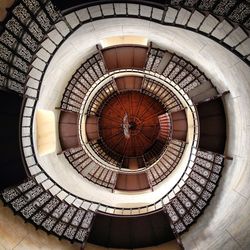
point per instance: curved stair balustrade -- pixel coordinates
(187, 76)
(197, 190)
(109, 209)
(169, 65)
(89, 72)
(89, 169)
(180, 226)
(107, 177)
(161, 93)
(101, 97)
(165, 96)
(31, 35)
(193, 176)
(42, 29)
(167, 162)
(184, 203)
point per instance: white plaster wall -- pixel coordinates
(16, 235)
(225, 223)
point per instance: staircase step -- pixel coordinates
(164, 61)
(199, 89)
(204, 95)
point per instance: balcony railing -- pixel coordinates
(32, 33)
(81, 81)
(32, 27)
(184, 203)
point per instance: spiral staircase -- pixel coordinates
(180, 147)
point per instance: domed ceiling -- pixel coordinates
(129, 123)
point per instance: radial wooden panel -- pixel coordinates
(92, 128)
(132, 182)
(125, 56)
(133, 162)
(129, 83)
(165, 127)
(180, 127)
(142, 112)
(68, 130)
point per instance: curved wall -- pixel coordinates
(222, 226)
(57, 166)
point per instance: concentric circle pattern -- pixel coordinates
(129, 123)
(133, 119)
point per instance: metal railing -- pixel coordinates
(30, 24)
(25, 56)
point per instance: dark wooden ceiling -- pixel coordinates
(129, 83)
(125, 56)
(142, 112)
